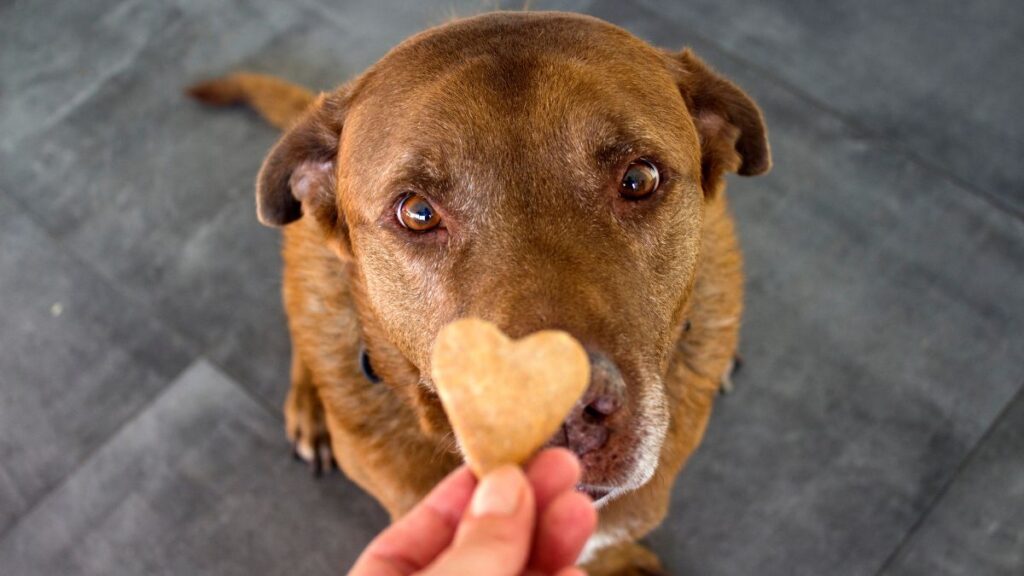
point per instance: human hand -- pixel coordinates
(510, 524)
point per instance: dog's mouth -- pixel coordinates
(615, 453)
(606, 464)
(604, 436)
(618, 445)
(596, 493)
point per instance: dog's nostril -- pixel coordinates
(592, 415)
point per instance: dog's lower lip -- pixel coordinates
(595, 492)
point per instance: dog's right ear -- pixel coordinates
(298, 175)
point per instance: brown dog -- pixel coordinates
(539, 170)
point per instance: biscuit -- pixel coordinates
(505, 398)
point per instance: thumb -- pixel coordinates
(495, 535)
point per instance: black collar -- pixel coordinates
(366, 366)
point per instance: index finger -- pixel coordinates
(413, 541)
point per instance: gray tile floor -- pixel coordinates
(878, 427)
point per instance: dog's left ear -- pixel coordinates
(733, 136)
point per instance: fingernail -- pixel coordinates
(499, 493)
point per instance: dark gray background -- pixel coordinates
(878, 427)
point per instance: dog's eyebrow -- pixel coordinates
(618, 148)
(421, 173)
(614, 138)
(610, 154)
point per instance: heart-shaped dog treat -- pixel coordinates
(505, 398)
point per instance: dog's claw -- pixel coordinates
(726, 383)
(317, 455)
(324, 457)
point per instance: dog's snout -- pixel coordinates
(589, 424)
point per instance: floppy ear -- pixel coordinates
(733, 136)
(298, 175)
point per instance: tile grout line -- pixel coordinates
(110, 74)
(131, 419)
(323, 11)
(908, 536)
(858, 128)
(191, 348)
(142, 409)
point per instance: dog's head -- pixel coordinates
(536, 170)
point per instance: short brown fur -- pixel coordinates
(467, 88)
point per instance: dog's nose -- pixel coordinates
(588, 425)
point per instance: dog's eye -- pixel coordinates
(416, 213)
(640, 180)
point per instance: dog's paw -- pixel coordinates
(306, 429)
(726, 385)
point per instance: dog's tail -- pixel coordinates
(277, 101)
